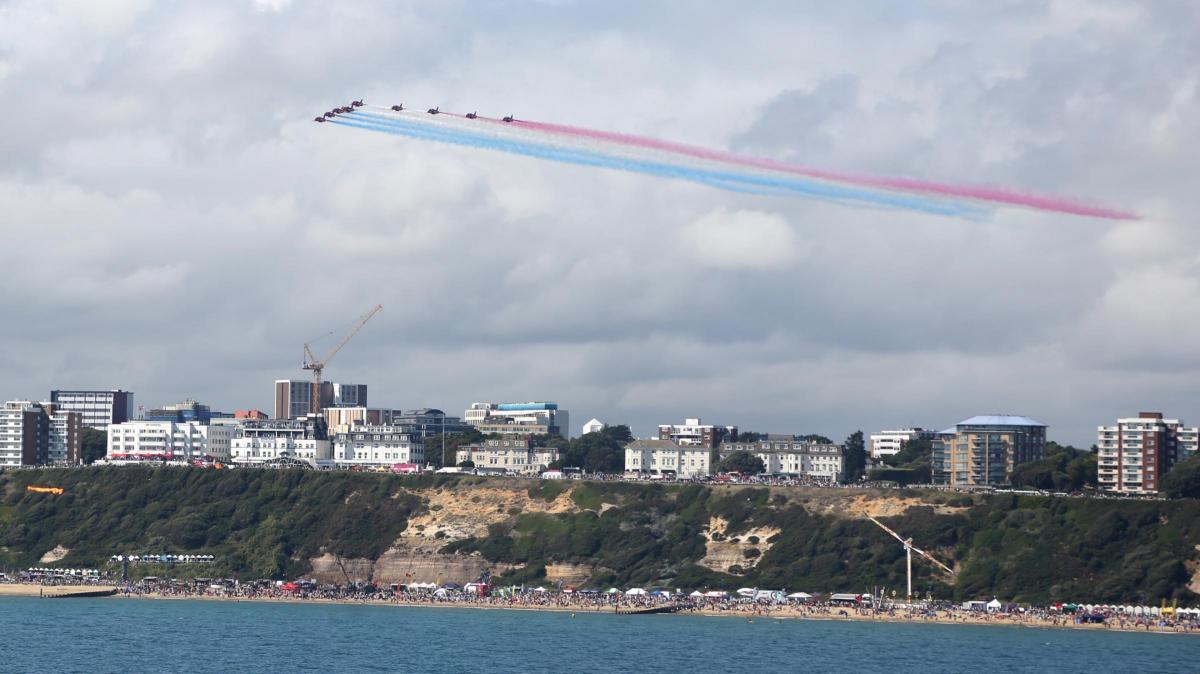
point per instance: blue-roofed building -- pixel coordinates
(984, 450)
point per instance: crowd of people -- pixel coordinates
(865, 608)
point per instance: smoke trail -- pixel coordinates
(989, 194)
(429, 129)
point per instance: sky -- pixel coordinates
(175, 224)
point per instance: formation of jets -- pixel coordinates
(399, 107)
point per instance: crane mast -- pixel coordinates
(317, 365)
(909, 548)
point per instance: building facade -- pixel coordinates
(593, 426)
(371, 445)
(532, 418)
(983, 450)
(97, 408)
(172, 441)
(1136, 454)
(278, 440)
(430, 421)
(787, 455)
(515, 455)
(188, 410)
(294, 398)
(340, 418)
(889, 443)
(693, 433)
(37, 433)
(663, 457)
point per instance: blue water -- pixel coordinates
(115, 635)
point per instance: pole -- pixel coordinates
(908, 554)
(443, 439)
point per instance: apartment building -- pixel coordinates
(788, 455)
(516, 455)
(889, 443)
(693, 433)
(37, 433)
(170, 441)
(98, 408)
(983, 450)
(1136, 454)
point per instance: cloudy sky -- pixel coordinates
(174, 223)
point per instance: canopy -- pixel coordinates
(613, 590)
(716, 593)
(799, 595)
(635, 591)
(696, 593)
(745, 592)
(994, 605)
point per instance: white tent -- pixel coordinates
(799, 595)
(696, 593)
(716, 594)
(994, 605)
(635, 591)
(613, 590)
(745, 592)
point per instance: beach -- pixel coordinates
(557, 602)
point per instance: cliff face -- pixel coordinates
(386, 529)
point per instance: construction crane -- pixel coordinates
(317, 365)
(909, 548)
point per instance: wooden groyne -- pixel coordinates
(53, 592)
(671, 608)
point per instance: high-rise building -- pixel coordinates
(349, 395)
(532, 418)
(692, 433)
(33, 433)
(294, 398)
(1136, 454)
(983, 450)
(98, 408)
(889, 443)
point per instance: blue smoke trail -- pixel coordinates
(721, 179)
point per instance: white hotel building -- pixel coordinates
(134, 441)
(378, 446)
(276, 441)
(784, 454)
(663, 457)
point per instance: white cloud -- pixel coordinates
(741, 240)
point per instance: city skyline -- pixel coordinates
(177, 226)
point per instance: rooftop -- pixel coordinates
(1000, 420)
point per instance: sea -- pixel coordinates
(119, 635)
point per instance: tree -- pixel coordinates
(750, 436)
(599, 452)
(855, 458)
(742, 462)
(815, 439)
(466, 464)
(439, 454)
(94, 445)
(1183, 481)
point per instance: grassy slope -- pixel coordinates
(269, 523)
